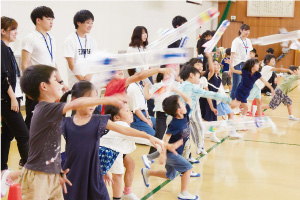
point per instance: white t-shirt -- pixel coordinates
(239, 48)
(136, 97)
(137, 57)
(203, 82)
(266, 73)
(73, 50)
(35, 44)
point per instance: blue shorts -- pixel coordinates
(255, 93)
(223, 109)
(176, 163)
(107, 158)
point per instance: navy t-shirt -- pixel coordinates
(225, 65)
(180, 129)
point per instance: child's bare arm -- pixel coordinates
(211, 67)
(268, 85)
(187, 99)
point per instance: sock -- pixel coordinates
(291, 115)
(127, 190)
(116, 198)
(153, 155)
(184, 193)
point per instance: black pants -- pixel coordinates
(29, 106)
(160, 127)
(13, 126)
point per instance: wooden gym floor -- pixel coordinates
(263, 165)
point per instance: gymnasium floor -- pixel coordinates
(263, 165)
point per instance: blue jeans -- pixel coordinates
(176, 164)
(142, 126)
(236, 80)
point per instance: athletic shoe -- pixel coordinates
(193, 160)
(201, 151)
(235, 135)
(130, 196)
(146, 161)
(214, 138)
(227, 91)
(236, 111)
(225, 117)
(268, 93)
(5, 183)
(193, 174)
(292, 117)
(145, 176)
(187, 196)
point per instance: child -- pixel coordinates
(253, 54)
(42, 176)
(79, 45)
(82, 133)
(178, 129)
(281, 93)
(266, 73)
(39, 47)
(190, 86)
(249, 75)
(226, 78)
(120, 146)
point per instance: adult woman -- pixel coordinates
(138, 44)
(13, 124)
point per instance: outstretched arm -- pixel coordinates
(187, 99)
(211, 67)
(268, 85)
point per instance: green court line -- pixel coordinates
(168, 181)
(272, 142)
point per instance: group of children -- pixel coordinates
(98, 146)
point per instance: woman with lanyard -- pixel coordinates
(13, 124)
(138, 44)
(240, 52)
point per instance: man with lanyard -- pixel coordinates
(79, 45)
(39, 48)
(240, 52)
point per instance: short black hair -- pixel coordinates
(186, 70)
(131, 72)
(293, 68)
(112, 110)
(193, 61)
(32, 77)
(81, 16)
(268, 58)
(178, 21)
(40, 12)
(228, 51)
(160, 76)
(270, 50)
(205, 34)
(253, 50)
(249, 64)
(171, 104)
(244, 27)
(136, 37)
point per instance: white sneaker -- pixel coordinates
(187, 196)
(214, 138)
(201, 151)
(146, 161)
(292, 117)
(227, 90)
(236, 111)
(4, 183)
(193, 174)
(130, 196)
(193, 160)
(145, 176)
(234, 135)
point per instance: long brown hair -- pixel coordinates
(136, 37)
(8, 23)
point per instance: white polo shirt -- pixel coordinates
(73, 49)
(241, 49)
(136, 97)
(35, 44)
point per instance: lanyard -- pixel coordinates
(13, 59)
(83, 51)
(50, 52)
(246, 46)
(142, 92)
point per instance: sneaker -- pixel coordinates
(145, 176)
(227, 91)
(5, 183)
(268, 93)
(129, 196)
(201, 151)
(225, 117)
(236, 111)
(235, 135)
(187, 196)
(292, 117)
(214, 138)
(193, 174)
(146, 161)
(193, 160)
